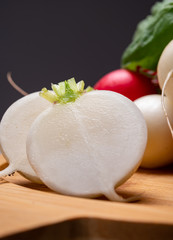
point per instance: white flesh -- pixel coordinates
(159, 150)
(14, 128)
(88, 147)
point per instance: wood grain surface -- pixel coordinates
(25, 205)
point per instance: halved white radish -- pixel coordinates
(14, 128)
(88, 147)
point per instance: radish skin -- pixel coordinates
(159, 149)
(165, 65)
(88, 147)
(167, 105)
(165, 79)
(14, 128)
(130, 84)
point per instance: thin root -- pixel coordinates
(11, 174)
(14, 85)
(169, 76)
(3, 180)
(113, 196)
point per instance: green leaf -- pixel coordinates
(150, 38)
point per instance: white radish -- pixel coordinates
(165, 78)
(89, 145)
(165, 65)
(159, 149)
(14, 128)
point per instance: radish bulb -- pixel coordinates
(87, 144)
(165, 78)
(14, 128)
(159, 149)
(130, 84)
(165, 65)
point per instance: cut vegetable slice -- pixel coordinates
(13, 132)
(88, 147)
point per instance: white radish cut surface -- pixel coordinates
(88, 147)
(14, 128)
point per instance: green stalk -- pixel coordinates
(65, 92)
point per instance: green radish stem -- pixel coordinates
(169, 76)
(65, 92)
(14, 85)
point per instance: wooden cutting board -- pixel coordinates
(25, 206)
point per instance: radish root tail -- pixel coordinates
(7, 171)
(113, 196)
(169, 76)
(3, 180)
(14, 85)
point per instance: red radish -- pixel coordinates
(130, 84)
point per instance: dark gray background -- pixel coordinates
(50, 41)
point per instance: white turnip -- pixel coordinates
(87, 144)
(165, 78)
(159, 149)
(14, 128)
(165, 65)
